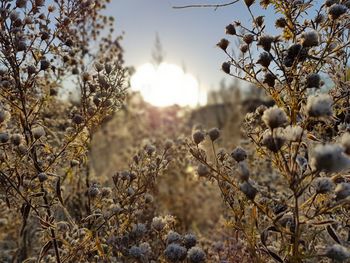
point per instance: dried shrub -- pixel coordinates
(298, 211)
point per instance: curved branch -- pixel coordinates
(216, 6)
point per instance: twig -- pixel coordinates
(215, 6)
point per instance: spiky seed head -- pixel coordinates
(313, 80)
(264, 59)
(239, 154)
(223, 44)
(336, 10)
(266, 42)
(226, 67)
(196, 255)
(230, 29)
(281, 22)
(214, 134)
(269, 79)
(248, 38)
(249, 2)
(198, 136)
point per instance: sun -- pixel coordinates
(166, 85)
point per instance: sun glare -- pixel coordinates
(165, 85)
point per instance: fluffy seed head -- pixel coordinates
(16, 139)
(345, 142)
(239, 154)
(98, 66)
(329, 3)
(42, 177)
(226, 67)
(78, 119)
(320, 18)
(310, 39)
(259, 21)
(264, 59)
(337, 10)
(248, 38)
(319, 105)
(214, 134)
(4, 137)
(4, 115)
(150, 149)
(223, 44)
(313, 81)
(21, 3)
(202, 170)
(230, 29)
(338, 253)
(173, 237)
(31, 69)
(243, 171)
(293, 133)
(266, 41)
(274, 117)
(269, 79)
(175, 253)
(196, 255)
(249, 190)
(243, 48)
(38, 132)
(189, 240)
(274, 144)
(323, 185)
(93, 191)
(44, 64)
(198, 136)
(249, 2)
(281, 22)
(136, 252)
(342, 191)
(138, 230)
(329, 158)
(158, 223)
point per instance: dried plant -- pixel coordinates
(298, 211)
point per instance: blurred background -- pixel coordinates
(176, 86)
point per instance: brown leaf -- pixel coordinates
(333, 234)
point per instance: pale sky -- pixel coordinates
(188, 36)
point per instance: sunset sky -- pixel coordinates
(188, 36)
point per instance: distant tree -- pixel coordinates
(157, 53)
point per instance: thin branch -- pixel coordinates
(215, 6)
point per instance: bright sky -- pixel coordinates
(188, 36)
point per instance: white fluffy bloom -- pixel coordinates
(338, 253)
(342, 191)
(274, 117)
(293, 133)
(319, 105)
(310, 39)
(329, 158)
(345, 142)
